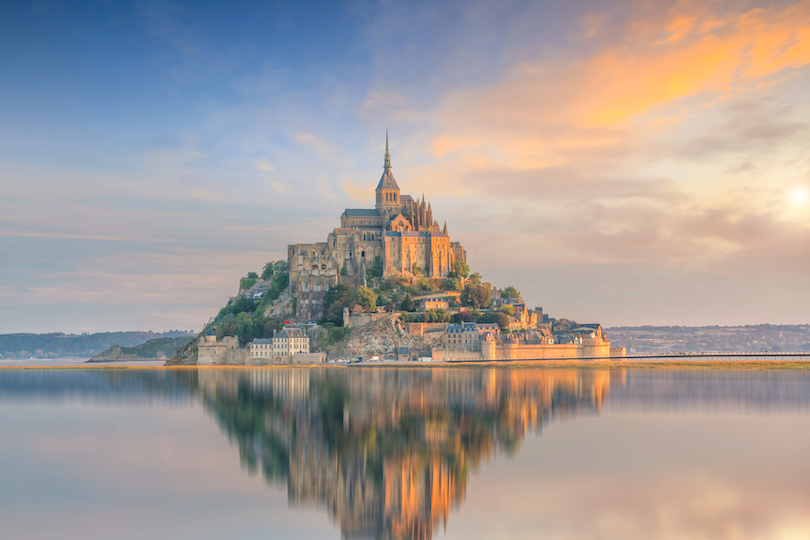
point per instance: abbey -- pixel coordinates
(399, 233)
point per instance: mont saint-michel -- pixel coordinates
(399, 234)
(388, 284)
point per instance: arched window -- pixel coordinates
(363, 254)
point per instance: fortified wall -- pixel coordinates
(515, 351)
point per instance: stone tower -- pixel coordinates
(387, 192)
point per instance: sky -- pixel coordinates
(629, 163)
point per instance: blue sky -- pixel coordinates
(635, 162)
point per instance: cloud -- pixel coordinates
(265, 166)
(202, 194)
(315, 143)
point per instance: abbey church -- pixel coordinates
(399, 230)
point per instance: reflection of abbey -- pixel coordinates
(399, 230)
(388, 455)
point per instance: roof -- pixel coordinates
(262, 341)
(288, 332)
(403, 350)
(361, 212)
(405, 198)
(488, 325)
(387, 181)
(417, 233)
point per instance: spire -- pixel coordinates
(387, 165)
(445, 226)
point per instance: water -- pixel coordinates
(404, 453)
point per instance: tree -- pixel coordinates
(496, 317)
(510, 292)
(366, 298)
(336, 298)
(376, 269)
(449, 284)
(460, 269)
(274, 268)
(509, 310)
(464, 316)
(415, 269)
(476, 296)
(252, 275)
(408, 304)
(241, 305)
(475, 279)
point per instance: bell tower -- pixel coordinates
(387, 192)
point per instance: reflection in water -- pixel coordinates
(388, 452)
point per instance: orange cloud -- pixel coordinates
(654, 64)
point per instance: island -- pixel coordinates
(390, 285)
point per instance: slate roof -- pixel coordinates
(288, 332)
(387, 181)
(361, 212)
(263, 341)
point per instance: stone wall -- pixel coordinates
(355, 320)
(420, 329)
(490, 351)
(299, 359)
(456, 355)
(221, 356)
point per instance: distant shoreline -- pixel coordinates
(518, 364)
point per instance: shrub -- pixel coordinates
(408, 304)
(247, 283)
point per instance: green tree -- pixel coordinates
(509, 310)
(415, 269)
(408, 304)
(376, 269)
(252, 275)
(476, 296)
(274, 268)
(336, 298)
(366, 298)
(475, 279)
(496, 317)
(460, 269)
(450, 284)
(510, 292)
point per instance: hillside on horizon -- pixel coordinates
(61, 345)
(749, 338)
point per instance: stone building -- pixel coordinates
(469, 335)
(290, 341)
(399, 234)
(210, 351)
(261, 348)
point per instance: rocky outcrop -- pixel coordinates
(383, 338)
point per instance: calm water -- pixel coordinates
(405, 453)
